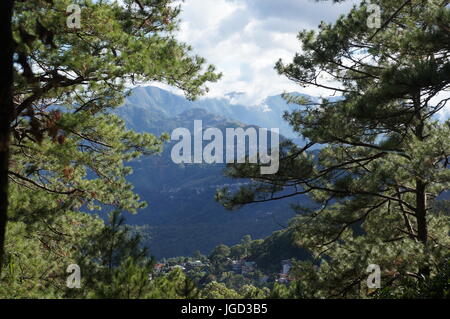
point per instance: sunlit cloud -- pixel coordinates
(245, 38)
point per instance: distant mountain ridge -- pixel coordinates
(182, 216)
(157, 104)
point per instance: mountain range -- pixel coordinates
(182, 216)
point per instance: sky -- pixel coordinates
(245, 38)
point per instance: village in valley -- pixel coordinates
(204, 270)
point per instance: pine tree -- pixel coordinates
(187, 289)
(216, 290)
(6, 111)
(67, 78)
(113, 262)
(383, 161)
(40, 246)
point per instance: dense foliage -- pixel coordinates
(380, 175)
(66, 150)
(379, 178)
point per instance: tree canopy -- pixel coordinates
(62, 150)
(61, 138)
(383, 156)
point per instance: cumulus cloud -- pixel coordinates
(245, 38)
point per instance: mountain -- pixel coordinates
(155, 104)
(182, 216)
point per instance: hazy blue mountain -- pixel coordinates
(182, 215)
(149, 105)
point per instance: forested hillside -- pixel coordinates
(183, 216)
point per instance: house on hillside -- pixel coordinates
(286, 266)
(283, 277)
(243, 266)
(159, 268)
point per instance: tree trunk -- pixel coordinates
(421, 212)
(421, 217)
(6, 111)
(421, 197)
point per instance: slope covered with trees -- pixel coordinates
(182, 215)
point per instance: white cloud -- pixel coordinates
(245, 38)
(444, 113)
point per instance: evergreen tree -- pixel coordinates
(383, 161)
(6, 111)
(113, 262)
(215, 290)
(67, 76)
(39, 252)
(437, 287)
(252, 292)
(187, 289)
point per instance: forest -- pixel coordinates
(362, 181)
